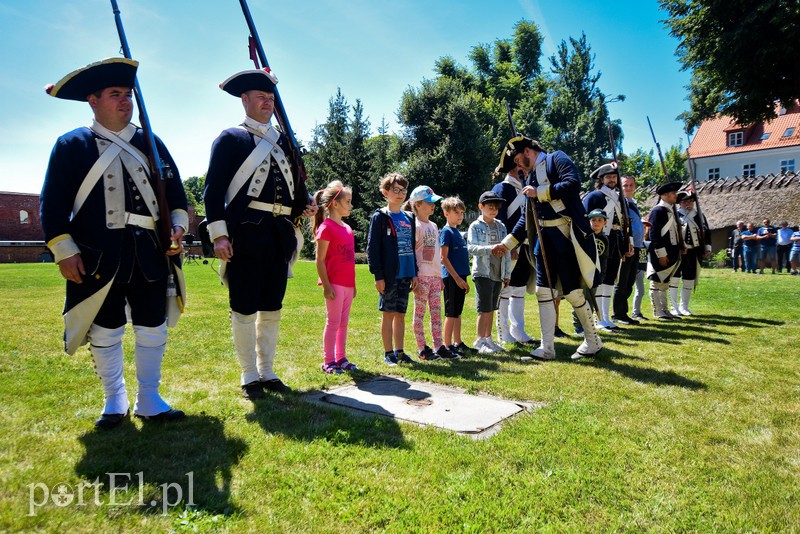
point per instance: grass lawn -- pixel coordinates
(690, 425)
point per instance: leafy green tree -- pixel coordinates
(647, 167)
(194, 187)
(742, 55)
(576, 115)
(449, 138)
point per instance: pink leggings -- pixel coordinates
(428, 291)
(335, 334)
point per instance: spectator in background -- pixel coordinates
(767, 240)
(735, 246)
(784, 246)
(794, 256)
(750, 242)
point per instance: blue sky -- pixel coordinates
(372, 49)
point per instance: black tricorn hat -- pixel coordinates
(602, 170)
(669, 187)
(79, 84)
(686, 195)
(250, 80)
(515, 146)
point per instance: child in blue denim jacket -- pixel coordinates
(489, 273)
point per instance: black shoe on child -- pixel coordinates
(427, 354)
(444, 352)
(465, 350)
(559, 333)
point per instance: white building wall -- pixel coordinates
(730, 165)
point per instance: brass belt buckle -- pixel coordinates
(276, 209)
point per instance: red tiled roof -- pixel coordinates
(711, 138)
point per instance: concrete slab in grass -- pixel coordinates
(424, 403)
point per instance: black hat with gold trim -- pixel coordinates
(602, 170)
(79, 84)
(686, 195)
(515, 146)
(669, 187)
(250, 80)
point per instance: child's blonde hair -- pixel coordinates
(453, 203)
(324, 198)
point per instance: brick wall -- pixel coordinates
(34, 253)
(11, 229)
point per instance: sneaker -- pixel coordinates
(608, 325)
(331, 368)
(639, 317)
(559, 333)
(624, 319)
(465, 350)
(483, 347)
(402, 357)
(427, 354)
(444, 352)
(455, 350)
(494, 345)
(579, 330)
(390, 358)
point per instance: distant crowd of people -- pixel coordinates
(753, 250)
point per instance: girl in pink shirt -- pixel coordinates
(336, 266)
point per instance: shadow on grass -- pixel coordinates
(671, 331)
(295, 418)
(188, 456)
(736, 320)
(644, 375)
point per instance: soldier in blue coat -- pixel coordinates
(99, 214)
(253, 202)
(697, 239)
(566, 256)
(512, 297)
(664, 252)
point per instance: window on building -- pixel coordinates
(748, 170)
(787, 165)
(789, 132)
(736, 139)
(765, 136)
(713, 173)
(23, 217)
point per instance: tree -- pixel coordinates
(742, 55)
(448, 138)
(647, 167)
(576, 115)
(195, 186)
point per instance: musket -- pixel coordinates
(159, 171)
(626, 223)
(666, 179)
(256, 54)
(531, 214)
(701, 227)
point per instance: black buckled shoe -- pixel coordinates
(164, 417)
(107, 421)
(275, 385)
(253, 391)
